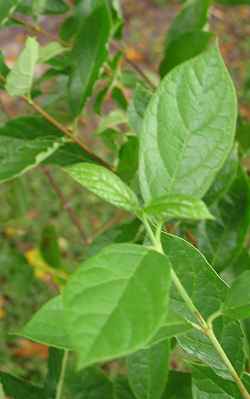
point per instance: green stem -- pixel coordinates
(206, 327)
(62, 376)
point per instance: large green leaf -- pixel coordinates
(178, 206)
(237, 304)
(188, 128)
(88, 54)
(20, 78)
(190, 20)
(26, 142)
(7, 7)
(178, 386)
(208, 292)
(48, 326)
(19, 389)
(233, 2)
(125, 285)
(206, 384)
(128, 160)
(105, 184)
(148, 370)
(222, 240)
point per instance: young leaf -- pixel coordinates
(137, 107)
(19, 389)
(178, 206)
(237, 304)
(148, 370)
(105, 184)
(48, 326)
(19, 80)
(188, 115)
(51, 50)
(49, 246)
(25, 143)
(128, 160)
(125, 285)
(88, 54)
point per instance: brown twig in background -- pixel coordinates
(134, 65)
(65, 204)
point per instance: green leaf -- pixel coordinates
(20, 78)
(208, 292)
(25, 143)
(206, 384)
(173, 326)
(48, 326)
(90, 383)
(54, 372)
(185, 47)
(69, 154)
(224, 179)
(49, 246)
(128, 160)
(19, 389)
(122, 389)
(88, 55)
(7, 8)
(148, 370)
(237, 304)
(178, 206)
(230, 337)
(206, 289)
(49, 51)
(105, 184)
(178, 386)
(137, 107)
(222, 240)
(125, 285)
(192, 17)
(188, 115)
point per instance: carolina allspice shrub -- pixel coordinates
(148, 314)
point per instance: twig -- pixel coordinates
(66, 131)
(38, 29)
(65, 204)
(134, 65)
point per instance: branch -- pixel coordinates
(65, 204)
(66, 131)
